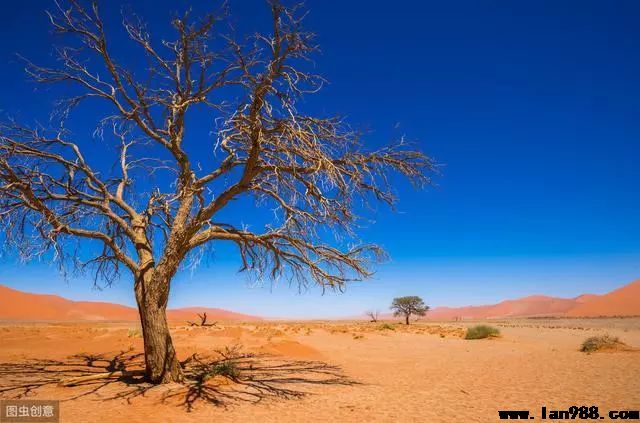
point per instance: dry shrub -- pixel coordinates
(482, 332)
(602, 343)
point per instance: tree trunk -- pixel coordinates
(162, 365)
(406, 318)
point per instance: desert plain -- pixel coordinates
(325, 370)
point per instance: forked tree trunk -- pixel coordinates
(162, 365)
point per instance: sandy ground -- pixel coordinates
(327, 371)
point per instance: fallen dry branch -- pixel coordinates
(203, 321)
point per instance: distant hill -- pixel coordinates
(623, 301)
(213, 314)
(537, 305)
(18, 305)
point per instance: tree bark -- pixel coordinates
(161, 361)
(406, 318)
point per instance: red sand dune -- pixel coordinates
(18, 305)
(585, 298)
(537, 305)
(623, 301)
(213, 314)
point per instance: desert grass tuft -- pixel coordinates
(386, 326)
(602, 343)
(227, 368)
(482, 332)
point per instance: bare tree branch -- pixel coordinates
(314, 174)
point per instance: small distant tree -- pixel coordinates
(406, 306)
(373, 315)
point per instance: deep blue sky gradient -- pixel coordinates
(533, 108)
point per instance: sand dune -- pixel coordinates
(537, 305)
(213, 314)
(18, 305)
(623, 301)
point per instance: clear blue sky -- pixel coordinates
(532, 106)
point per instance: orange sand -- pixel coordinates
(337, 371)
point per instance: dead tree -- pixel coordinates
(373, 315)
(203, 321)
(136, 197)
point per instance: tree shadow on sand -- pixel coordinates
(228, 376)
